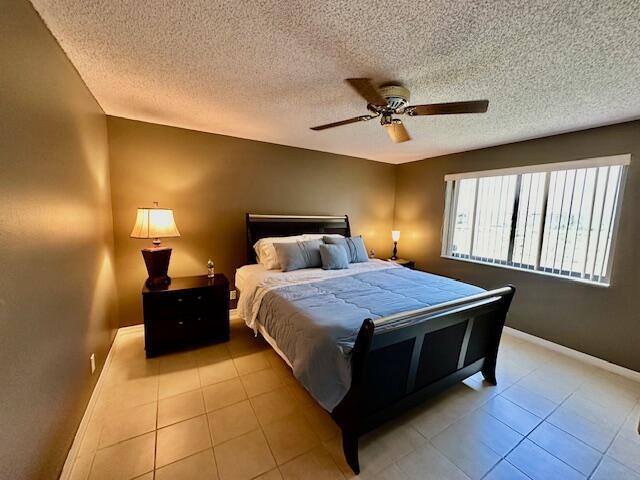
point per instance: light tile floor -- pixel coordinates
(234, 411)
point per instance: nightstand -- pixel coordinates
(404, 263)
(190, 311)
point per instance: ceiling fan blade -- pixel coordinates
(476, 106)
(360, 118)
(397, 132)
(367, 91)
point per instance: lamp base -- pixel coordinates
(156, 260)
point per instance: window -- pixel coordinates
(559, 219)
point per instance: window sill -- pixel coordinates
(535, 272)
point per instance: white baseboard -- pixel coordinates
(68, 465)
(84, 423)
(591, 360)
(129, 329)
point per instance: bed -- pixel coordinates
(371, 341)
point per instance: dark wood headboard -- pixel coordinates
(261, 226)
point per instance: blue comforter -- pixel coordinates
(316, 324)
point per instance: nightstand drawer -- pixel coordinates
(181, 303)
(195, 329)
(171, 331)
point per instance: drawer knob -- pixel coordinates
(180, 323)
(179, 300)
(199, 297)
(199, 319)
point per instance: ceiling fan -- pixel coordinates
(391, 99)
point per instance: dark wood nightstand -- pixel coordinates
(405, 263)
(189, 311)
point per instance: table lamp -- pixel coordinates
(156, 223)
(395, 236)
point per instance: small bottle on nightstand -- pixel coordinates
(210, 269)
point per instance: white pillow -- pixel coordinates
(318, 236)
(266, 252)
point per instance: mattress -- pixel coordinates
(312, 316)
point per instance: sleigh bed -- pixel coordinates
(373, 341)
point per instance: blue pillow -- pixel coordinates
(298, 255)
(354, 246)
(334, 257)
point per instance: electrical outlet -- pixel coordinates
(92, 359)
(232, 294)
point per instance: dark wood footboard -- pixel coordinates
(399, 361)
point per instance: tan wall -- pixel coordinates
(57, 288)
(56, 247)
(604, 322)
(211, 181)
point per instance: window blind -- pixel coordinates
(558, 219)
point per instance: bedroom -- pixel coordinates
(207, 109)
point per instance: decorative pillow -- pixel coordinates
(266, 253)
(356, 250)
(294, 256)
(334, 257)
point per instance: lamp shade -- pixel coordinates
(155, 223)
(395, 235)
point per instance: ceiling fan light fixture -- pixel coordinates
(391, 99)
(396, 131)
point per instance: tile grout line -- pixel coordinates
(588, 419)
(595, 381)
(206, 416)
(544, 419)
(300, 412)
(90, 408)
(615, 437)
(157, 425)
(155, 443)
(106, 369)
(181, 459)
(497, 419)
(248, 399)
(507, 461)
(264, 435)
(504, 458)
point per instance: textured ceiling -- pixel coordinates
(268, 70)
